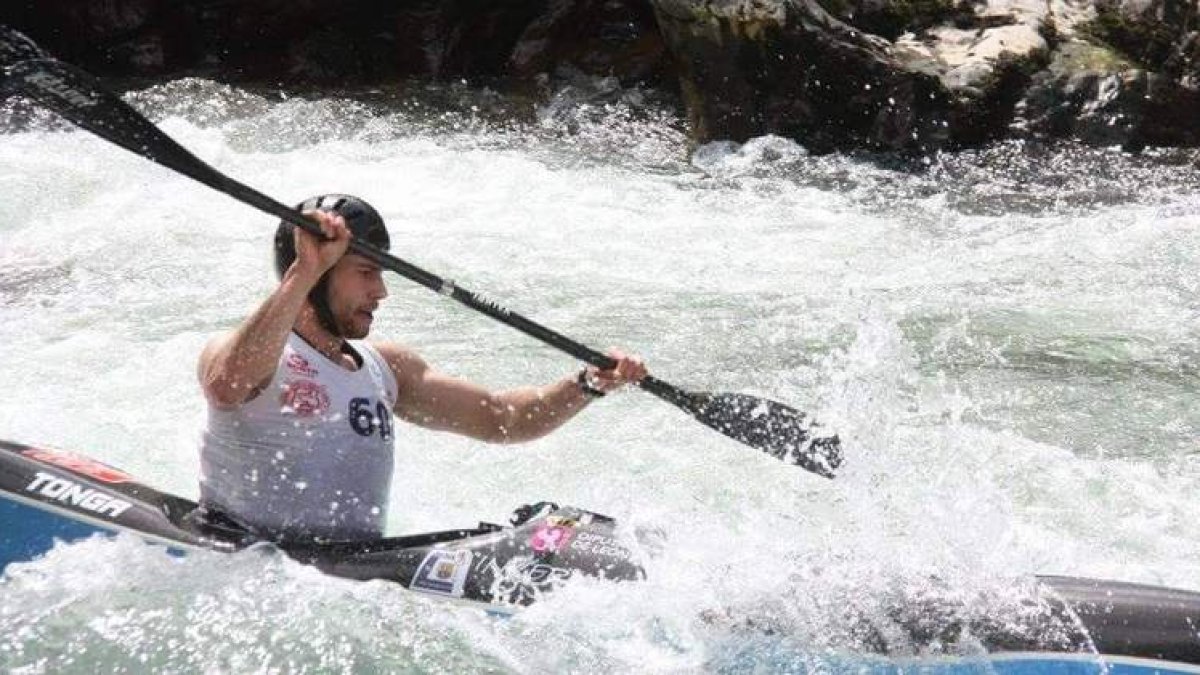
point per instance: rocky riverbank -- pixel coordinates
(891, 75)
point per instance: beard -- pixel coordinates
(354, 327)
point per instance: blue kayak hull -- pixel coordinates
(27, 532)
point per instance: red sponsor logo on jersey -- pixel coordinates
(550, 538)
(305, 397)
(81, 465)
(300, 365)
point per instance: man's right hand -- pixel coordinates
(236, 366)
(314, 256)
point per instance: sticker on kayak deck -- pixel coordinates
(601, 545)
(550, 538)
(68, 492)
(522, 579)
(561, 521)
(305, 397)
(88, 467)
(443, 572)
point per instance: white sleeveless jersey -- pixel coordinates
(311, 455)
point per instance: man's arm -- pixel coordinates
(437, 401)
(236, 366)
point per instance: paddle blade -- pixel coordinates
(80, 99)
(777, 429)
(16, 46)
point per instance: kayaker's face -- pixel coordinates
(355, 290)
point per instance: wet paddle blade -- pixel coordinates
(777, 429)
(77, 96)
(16, 46)
(82, 100)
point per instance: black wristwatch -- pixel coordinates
(585, 386)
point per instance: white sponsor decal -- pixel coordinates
(601, 545)
(54, 85)
(443, 572)
(68, 492)
(523, 578)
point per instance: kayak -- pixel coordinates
(50, 495)
(1091, 626)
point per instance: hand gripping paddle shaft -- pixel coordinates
(777, 429)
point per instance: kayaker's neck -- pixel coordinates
(332, 347)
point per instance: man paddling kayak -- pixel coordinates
(299, 440)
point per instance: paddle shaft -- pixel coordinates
(70, 92)
(248, 195)
(775, 428)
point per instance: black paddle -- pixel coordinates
(779, 430)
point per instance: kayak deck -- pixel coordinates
(48, 496)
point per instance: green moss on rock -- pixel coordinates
(1082, 56)
(1147, 43)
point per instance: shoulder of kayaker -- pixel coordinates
(224, 384)
(236, 366)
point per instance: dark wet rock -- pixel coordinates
(1097, 95)
(143, 36)
(595, 37)
(788, 67)
(319, 42)
(987, 68)
(892, 18)
(461, 39)
(908, 76)
(1151, 32)
(1161, 36)
(1086, 92)
(792, 69)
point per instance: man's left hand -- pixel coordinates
(629, 369)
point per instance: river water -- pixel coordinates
(1007, 341)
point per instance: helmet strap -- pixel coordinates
(319, 297)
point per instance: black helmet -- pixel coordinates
(364, 222)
